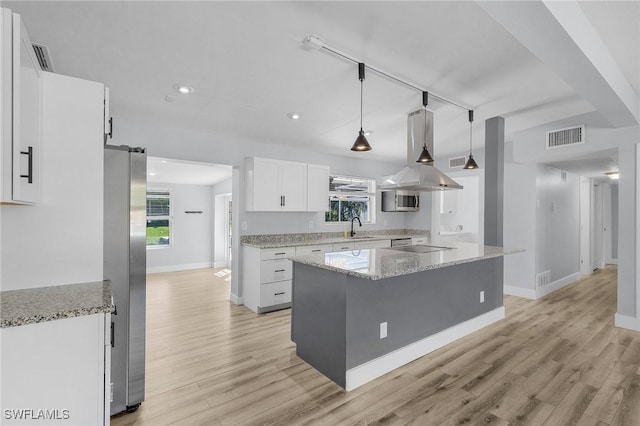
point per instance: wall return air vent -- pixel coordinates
(457, 162)
(564, 137)
(44, 59)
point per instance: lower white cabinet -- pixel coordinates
(315, 249)
(61, 366)
(266, 278)
(344, 246)
(419, 240)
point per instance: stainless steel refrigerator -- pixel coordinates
(125, 264)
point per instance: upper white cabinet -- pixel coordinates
(276, 186)
(20, 113)
(317, 188)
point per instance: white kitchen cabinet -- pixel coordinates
(372, 244)
(20, 113)
(266, 282)
(347, 245)
(59, 365)
(315, 249)
(317, 188)
(275, 185)
(448, 202)
(419, 240)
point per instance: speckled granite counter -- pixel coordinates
(289, 240)
(34, 305)
(376, 264)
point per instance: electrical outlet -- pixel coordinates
(482, 296)
(383, 330)
(311, 224)
(244, 225)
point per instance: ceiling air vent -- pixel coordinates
(42, 53)
(564, 137)
(458, 162)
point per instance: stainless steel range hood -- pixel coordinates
(419, 177)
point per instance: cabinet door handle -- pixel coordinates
(316, 250)
(29, 174)
(110, 127)
(279, 270)
(113, 334)
(280, 254)
(279, 293)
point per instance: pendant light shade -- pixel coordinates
(425, 156)
(471, 163)
(361, 143)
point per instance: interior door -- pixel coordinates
(585, 226)
(597, 234)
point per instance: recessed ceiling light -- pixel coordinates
(294, 115)
(164, 161)
(185, 90)
(613, 175)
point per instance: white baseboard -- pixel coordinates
(557, 285)
(235, 299)
(173, 268)
(611, 262)
(527, 293)
(373, 369)
(630, 323)
(219, 264)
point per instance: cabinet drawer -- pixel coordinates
(277, 253)
(318, 249)
(275, 293)
(275, 270)
(344, 246)
(419, 240)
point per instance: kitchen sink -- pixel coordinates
(419, 248)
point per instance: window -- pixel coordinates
(158, 219)
(350, 197)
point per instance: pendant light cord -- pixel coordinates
(361, 83)
(470, 131)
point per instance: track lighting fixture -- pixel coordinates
(361, 143)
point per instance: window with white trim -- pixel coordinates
(159, 218)
(349, 197)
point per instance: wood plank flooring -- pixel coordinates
(554, 361)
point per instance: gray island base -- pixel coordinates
(359, 315)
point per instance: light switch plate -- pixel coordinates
(383, 330)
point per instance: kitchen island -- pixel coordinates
(360, 314)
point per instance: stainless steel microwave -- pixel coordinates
(400, 201)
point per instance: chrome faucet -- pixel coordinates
(352, 219)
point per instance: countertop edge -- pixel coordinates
(329, 241)
(100, 290)
(309, 260)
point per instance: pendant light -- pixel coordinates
(471, 163)
(425, 157)
(361, 143)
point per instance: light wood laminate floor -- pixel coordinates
(554, 361)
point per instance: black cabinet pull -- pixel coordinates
(113, 332)
(29, 175)
(280, 254)
(110, 127)
(316, 250)
(278, 294)
(279, 270)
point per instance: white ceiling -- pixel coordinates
(249, 67)
(592, 165)
(165, 170)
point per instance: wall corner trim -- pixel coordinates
(526, 293)
(237, 300)
(630, 323)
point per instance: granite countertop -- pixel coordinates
(30, 306)
(291, 240)
(380, 263)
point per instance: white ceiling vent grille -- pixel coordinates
(42, 53)
(456, 163)
(563, 137)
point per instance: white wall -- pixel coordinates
(557, 223)
(467, 212)
(191, 233)
(60, 240)
(614, 223)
